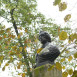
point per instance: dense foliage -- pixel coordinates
(19, 47)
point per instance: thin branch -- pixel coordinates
(66, 48)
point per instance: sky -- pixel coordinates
(46, 7)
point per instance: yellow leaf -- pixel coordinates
(36, 40)
(0, 46)
(23, 74)
(63, 67)
(14, 67)
(62, 6)
(0, 38)
(58, 30)
(58, 66)
(19, 73)
(10, 35)
(50, 68)
(74, 73)
(67, 17)
(25, 50)
(18, 66)
(6, 64)
(14, 47)
(20, 63)
(70, 71)
(3, 69)
(20, 49)
(38, 51)
(30, 69)
(1, 57)
(56, 2)
(21, 33)
(69, 41)
(1, 31)
(28, 45)
(67, 51)
(75, 55)
(26, 30)
(13, 36)
(6, 47)
(25, 47)
(0, 63)
(70, 58)
(11, 52)
(4, 36)
(18, 36)
(20, 56)
(11, 58)
(20, 28)
(62, 45)
(63, 35)
(25, 70)
(62, 60)
(17, 43)
(29, 40)
(71, 37)
(8, 30)
(64, 74)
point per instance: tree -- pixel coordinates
(68, 53)
(27, 23)
(23, 16)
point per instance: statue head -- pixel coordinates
(44, 37)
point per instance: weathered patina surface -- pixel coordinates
(46, 71)
(48, 53)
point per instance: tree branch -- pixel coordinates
(13, 21)
(23, 52)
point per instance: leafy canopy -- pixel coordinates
(20, 46)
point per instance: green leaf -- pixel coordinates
(50, 68)
(64, 74)
(63, 67)
(2, 12)
(67, 17)
(3, 69)
(70, 58)
(62, 6)
(70, 71)
(57, 2)
(72, 37)
(62, 60)
(0, 63)
(75, 55)
(74, 73)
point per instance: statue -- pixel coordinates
(48, 53)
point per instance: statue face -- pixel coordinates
(42, 38)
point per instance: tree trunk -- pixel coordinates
(46, 71)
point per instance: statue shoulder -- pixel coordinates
(54, 48)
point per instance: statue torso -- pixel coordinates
(47, 55)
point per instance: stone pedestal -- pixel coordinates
(46, 71)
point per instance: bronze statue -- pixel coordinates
(48, 53)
